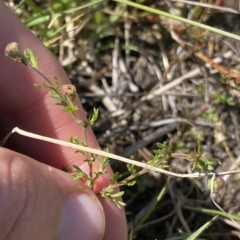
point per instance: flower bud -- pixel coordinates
(12, 51)
(69, 91)
(218, 183)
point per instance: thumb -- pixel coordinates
(41, 202)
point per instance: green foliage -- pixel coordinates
(115, 197)
(39, 18)
(132, 170)
(202, 163)
(159, 156)
(70, 109)
(78, 173)
(224, 98)
(115, 178)
(210, 114)
(75, 140)
(92, 119)
(195, 235)
(196, 134)
(31, 58)
(201, 90)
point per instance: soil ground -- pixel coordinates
(136, 59)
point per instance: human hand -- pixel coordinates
(38, 201)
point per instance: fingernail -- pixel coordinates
(82, 218)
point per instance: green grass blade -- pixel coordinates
(152, 208)
(82, 7)
(38, 20)
(47, 15)
(202, 229)
(212, 212)
(180, 19)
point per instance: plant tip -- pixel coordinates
(12, 51)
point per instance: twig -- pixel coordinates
(113, 156)
(173, 83)
(206, 5)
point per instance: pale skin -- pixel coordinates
(33, 191)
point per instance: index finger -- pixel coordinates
(23, 106)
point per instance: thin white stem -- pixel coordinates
(116, 157)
